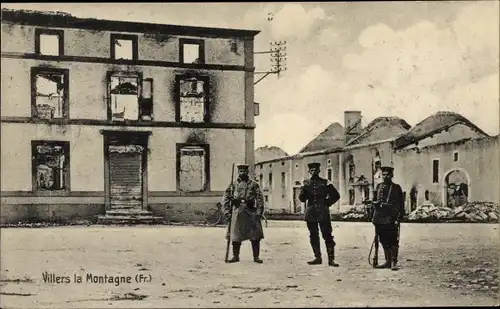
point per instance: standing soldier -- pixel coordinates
(388, 210)
(247, 207)
(319, 194)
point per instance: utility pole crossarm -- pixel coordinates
(278, 59)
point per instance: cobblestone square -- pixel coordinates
(442, 264)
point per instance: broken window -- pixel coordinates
(192, 51)
(50, 87)
(193, 167)
(50, 165)
(123, 46)
(146, 104)
(124, 97)
(49, 42)
(193, 99)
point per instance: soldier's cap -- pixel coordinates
(388, 169)
(313, 165)
(242, 167)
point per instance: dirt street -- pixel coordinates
(442, 264)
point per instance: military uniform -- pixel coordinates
(388, 210)
(246, 205)
(319, 194)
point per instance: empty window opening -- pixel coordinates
(192, 51)
(124, 97)
(351, 196)
(146, 104)
(192, 173)
(49, 44)
(329, 174)
(426, 195)
(50, 93)
(51, 165)
(455, 156)
(123, 46)
(435, 171)
(193, 99)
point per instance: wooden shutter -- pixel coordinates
(126, 178)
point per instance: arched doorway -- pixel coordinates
(456, 188)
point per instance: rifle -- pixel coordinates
(374, 260)
(228, 242)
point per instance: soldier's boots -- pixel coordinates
(236, 253)
(394, 257)
(387, 254)
(256, 251)
(317, 254)
(330, 249)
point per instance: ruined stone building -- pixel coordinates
(117, 118)
(444, 160)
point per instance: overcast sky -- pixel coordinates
(405, 59)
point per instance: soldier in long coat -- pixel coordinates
(245, 201)
(388, 211)
(319, 194)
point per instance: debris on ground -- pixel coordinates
(357, 212)
(480, 279)
(470, 212)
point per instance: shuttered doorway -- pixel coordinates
(125, 177)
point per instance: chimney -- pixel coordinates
(352, 124)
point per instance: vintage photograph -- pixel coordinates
(261, 155)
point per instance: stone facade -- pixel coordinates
(172, 127)
(468, 168)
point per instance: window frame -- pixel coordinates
(37, 70)
(67, 167)
(128, 37)
(201, 49)
(206, 90)
(206, 148)
(437, 172)
(41, 31)
(130, 74)
(329, 170)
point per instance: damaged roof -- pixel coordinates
(381, 128)
(432, 125)
(266, 153)
(65, 20)
(331, 138)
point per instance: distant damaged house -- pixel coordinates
(120, 119)
(444, 160)
(447, 160)
(282, 177)
(364, 155)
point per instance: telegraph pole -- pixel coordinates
(277, 52)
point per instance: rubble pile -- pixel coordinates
(470, 212)
(356, 213)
